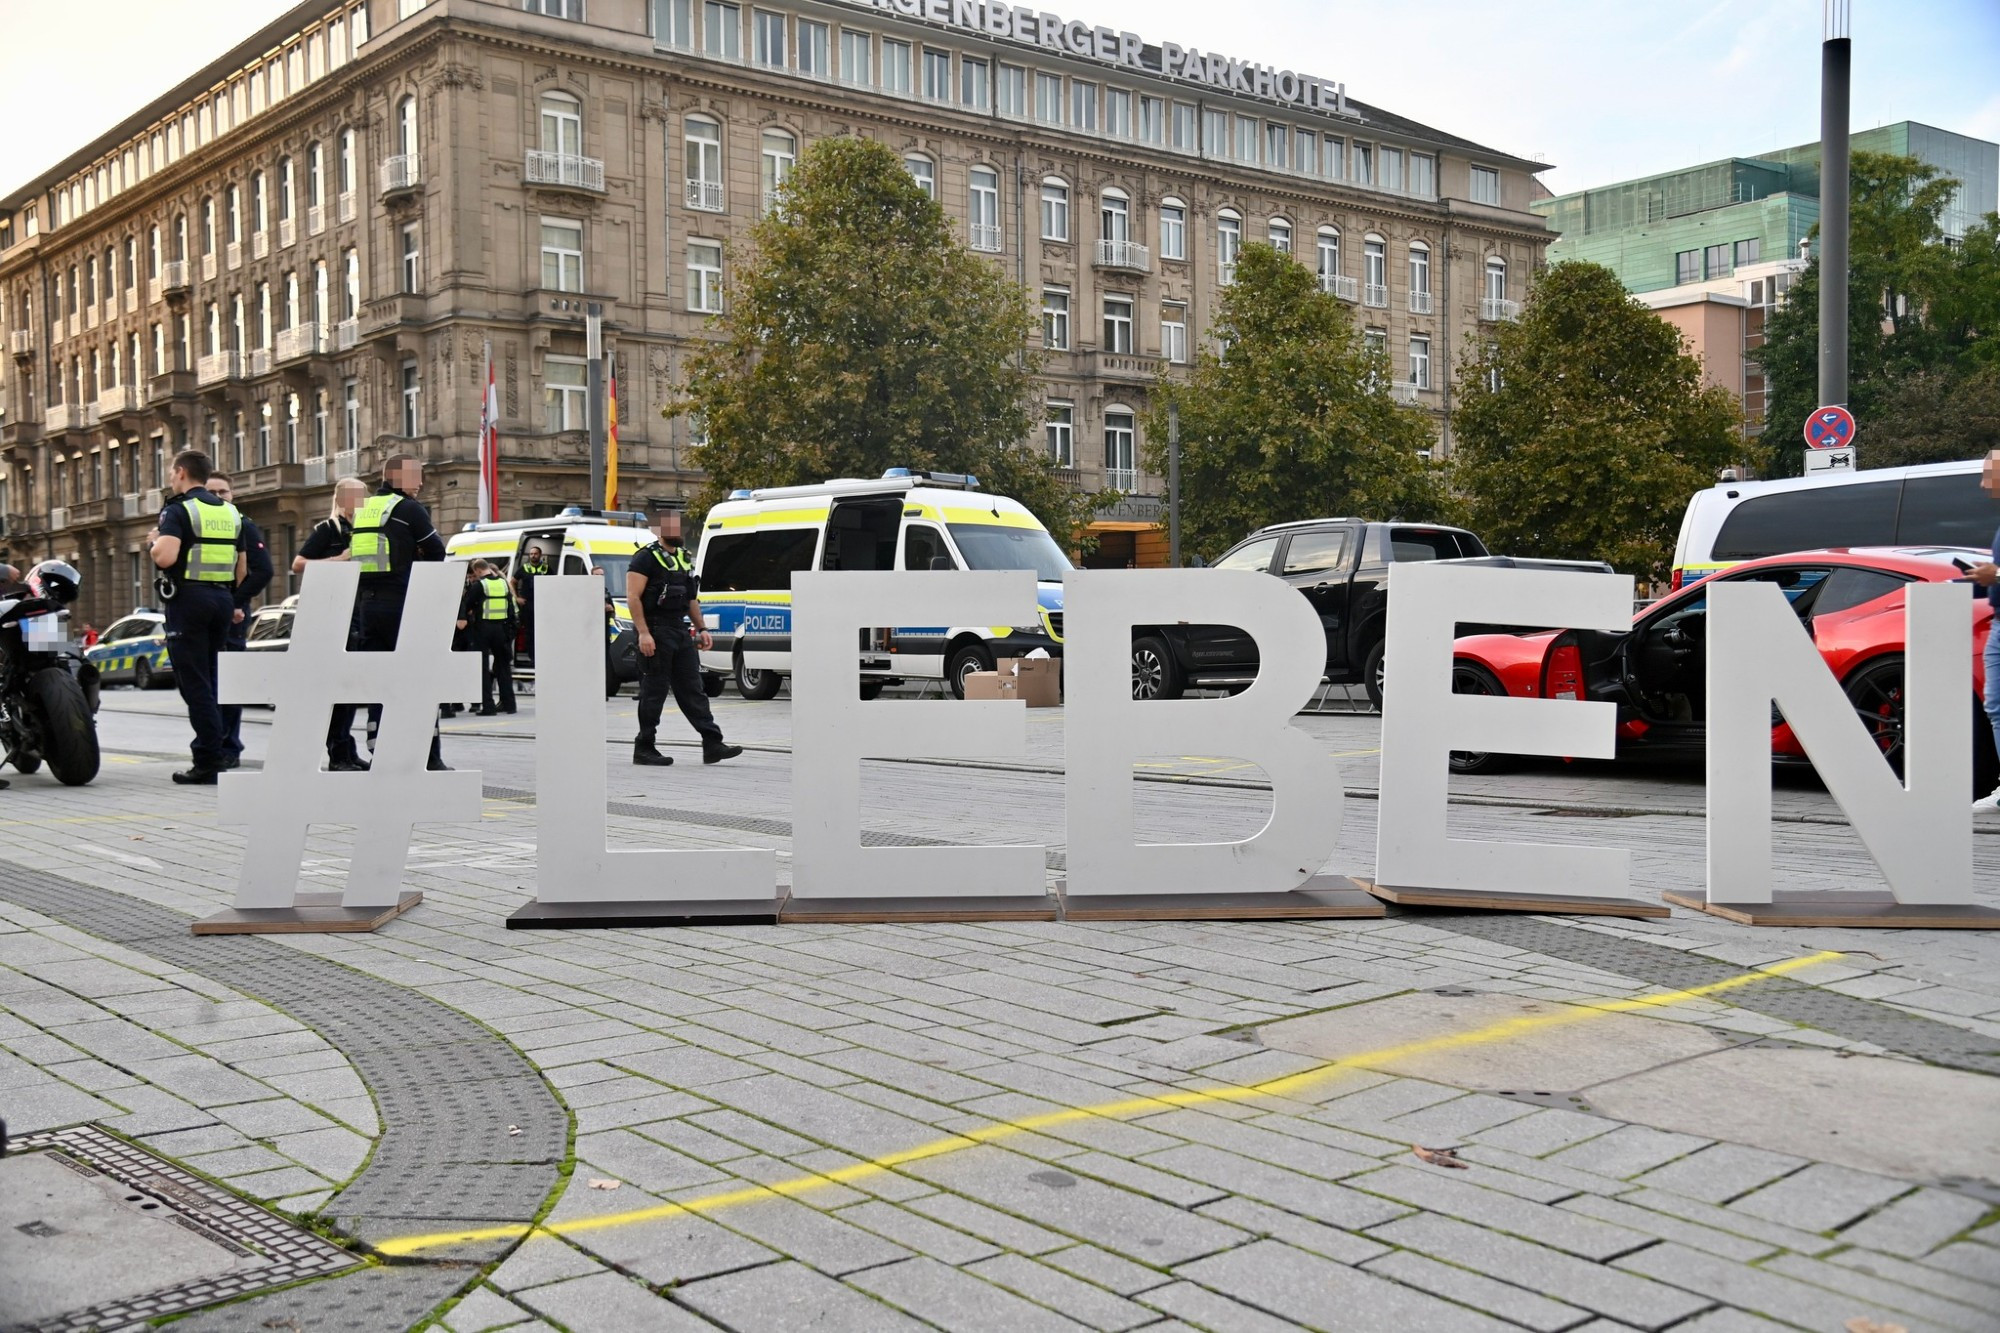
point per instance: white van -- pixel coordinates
(1932, 504)
(753, 542)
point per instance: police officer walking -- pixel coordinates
(199, 546)
(662, 594)
(328, 541)
(524, 589)
(258, 578)
(487, 611)
(392, 532)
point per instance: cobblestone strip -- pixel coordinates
(471, 1133)
(1778, 997)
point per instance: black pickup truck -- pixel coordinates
(1341, 566)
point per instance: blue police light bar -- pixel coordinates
(571, 511)
(739, 493)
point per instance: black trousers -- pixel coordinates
(675, 667)
(495, 640)
(197, 625)
(237, 639)
(528, 626)
(377, 618)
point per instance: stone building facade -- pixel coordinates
(298, 258)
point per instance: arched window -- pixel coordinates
(406, 129)
(350, 291)
(286, 184)
(152, 252)
(923, 171)
(1496, 278)
(562, 124)
(260, 204)
(232, 208)
(983, 209)
(1228, 242)
(321, 294)
(263, 314)
(1055, 208)
(1120, 462)
(1173, 228)
(1375, 261)
(1329, 256)
(291, 301)
(780, 155)
(1420, 278)
(343, 181)
(702, 139)
(1114, 216)
(315, 179)
(1280, 233)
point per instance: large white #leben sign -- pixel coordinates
(1917, 828)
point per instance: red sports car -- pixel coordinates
(1851, 601)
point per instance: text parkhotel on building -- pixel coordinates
(295, 258)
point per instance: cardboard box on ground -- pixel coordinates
(1035, 681)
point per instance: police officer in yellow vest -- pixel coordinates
(486, 612)
(199, 546)
(664, 597)
(532, 565)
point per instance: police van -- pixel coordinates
(753, 542)
(1931, 504)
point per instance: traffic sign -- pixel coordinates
(1829, 460)
(1830, 428)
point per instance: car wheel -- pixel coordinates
(1371, 676)
(1155, 674)
(871, 689)
(756, 682)
(142, 674)
(1876, 694)
(1469, 679)
(973, 657)
(712, 684)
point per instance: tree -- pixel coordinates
(1583, 429)
(1935, 416)
(860, 336)
(1291, 419)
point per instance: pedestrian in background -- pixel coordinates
(198, 548)
(253, 583)
(533, 565)
(486, 613)
(328, 541)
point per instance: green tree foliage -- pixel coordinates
(1597, 432)
(1292, 419)
(1935, 416)
(1922, 318)
(861, 335)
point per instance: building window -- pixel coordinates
(1280, 233)
(1048, 98)
(767, 39)
(1152, 120)
(1055, 210)
(564, 400)
(673, 24)
(412, 264)
(562, 124)
(1228, 243)
(263, 454)
(1420, 361)
(260, 204)
(406, 128)
(1747, 251)
(705, 277)
(1173, 229)
(1246, 139)
(562, 255)
(350, 415)
(1715, 261)
(703, 141)
(923, 171)
(1114, 216)
(1420, 276)
(319, 423)
(315, 177)
(1392, 169)
(1423, 175)
(983, 213)
(1012, 90)
(1375, 263)
(1277, 146)
(344, 163)
(413, 416)
(1118, 113)
(974, 83)
(781, 154)
(1083, 105)
(1687, 266)
(722, 29)
(1118, 324)
(857, 58)
(159, 349)
(937, 75)
(815, 49)
(1485, 186)
(895, 67)
(1305, 153)
(1119, 472)
(1055, 318)
(1173, 333)
(1060, 431)
(351, 284)
(292, 414)
(286, 185)
(1214, 133)
(1496, 279)
(1361, 163)
(1329, 257)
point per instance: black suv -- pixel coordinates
(1339, 564)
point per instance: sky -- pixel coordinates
(1605, 90)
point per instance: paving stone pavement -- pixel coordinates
(775, 1068)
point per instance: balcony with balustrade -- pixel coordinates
(1129, 256)
(1498, 309)
(166, 387)
(705, 196)
(58, 517)
(346, 334)
(208, 267)
(121, 400)
(400, 174)
(1403, 395)
(217, 368)
(260, 245)
(1420, 303)
(298, 342)
(288, 233)
(985, 237)
(21, 342)
(60, 417)
(259, 362)
(344, 206)
(139, 504)
(315, 219)
(232, 254)
(563, 171)
(1340, 286)
(1375, 295)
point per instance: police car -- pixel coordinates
(753, 542)
(133, 648)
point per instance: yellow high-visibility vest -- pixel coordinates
(211, 556)
(368, 546)
(496, 604)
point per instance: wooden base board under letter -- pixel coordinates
(871, 911)
(1322, 896)
(1467, 900)
(309, 914)
(614, 916)
(1868, 909)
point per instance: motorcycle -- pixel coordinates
(48, 692)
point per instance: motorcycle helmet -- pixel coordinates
(54, 581)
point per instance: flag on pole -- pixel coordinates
(610, 432)
(489, 446)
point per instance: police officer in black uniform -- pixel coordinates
(662, 594)
(328, 541)
(258, 578)
(486, 613)
(532, 564)
(199, 546)
(392, 532)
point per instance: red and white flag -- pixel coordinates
(489, 447)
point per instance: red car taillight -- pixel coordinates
(1562, 671)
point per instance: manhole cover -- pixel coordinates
(96, 1233)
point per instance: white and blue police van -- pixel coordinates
(753, 542)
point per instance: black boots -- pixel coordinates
(647, 755)
(715, 754)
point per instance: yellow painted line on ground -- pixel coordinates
(164, 816)
(1278, 1087)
